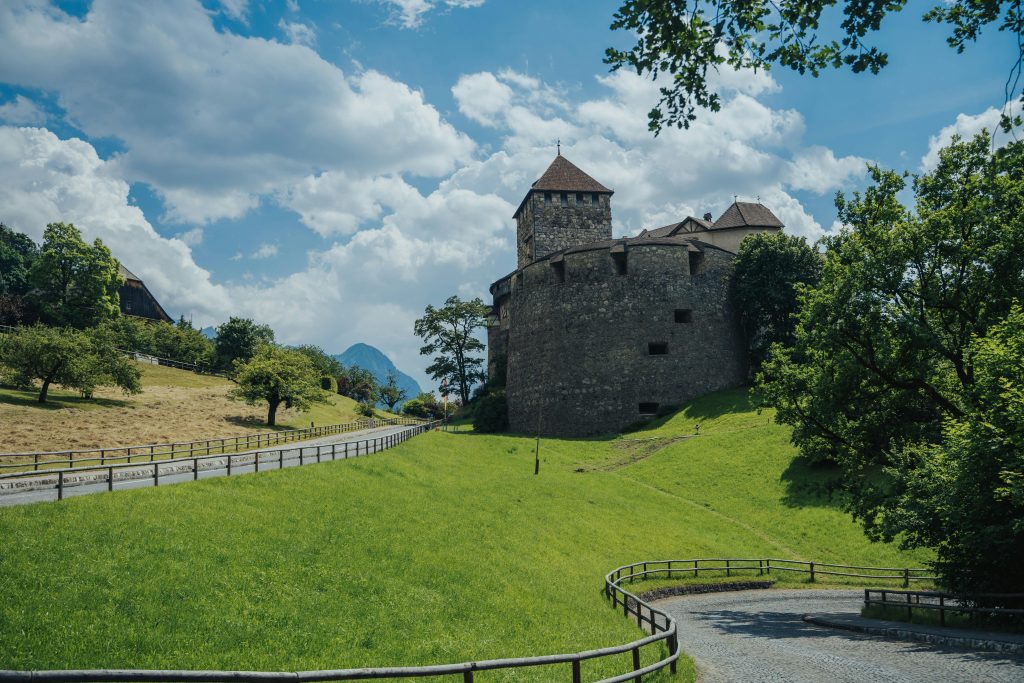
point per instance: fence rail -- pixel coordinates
(764, 566)
(944, 602)
(185, 449)
(64, 478)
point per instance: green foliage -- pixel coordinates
(886, 351)
(237, 340)
(366, 409)
(390, 393)
(447, 333)
(682, 40)
(328, 367)
(770, 270)
(68, 357)
(965, 496)
(75, 284)
(17, 253)
(358, 383)
(424, 405)
(275, 376)
(180, 342)
(490, 413)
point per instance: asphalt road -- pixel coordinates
(759, 636)
(42, 487)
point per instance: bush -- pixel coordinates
(366, 409)
(425, 405)
(490, 413)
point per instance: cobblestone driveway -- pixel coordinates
(756, 636)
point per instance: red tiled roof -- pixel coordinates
(563, 175)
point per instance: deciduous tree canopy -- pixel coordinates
(275, 376)
(885, 363)
(448, 335)
(682, 40)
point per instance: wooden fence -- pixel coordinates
(35, 461)
(935, 601)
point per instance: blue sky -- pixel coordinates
(331, 166)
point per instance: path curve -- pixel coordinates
(760, 635)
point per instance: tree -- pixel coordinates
(683, 39)
(75, 284)
(448, 333)
(770, 269)
(68, 357)
(327, 366)
(390, 393)
(17, 253)
(358, 384)
(886, 346)
(964, 496)
(275, 376)
(424, 405)
(237, 340)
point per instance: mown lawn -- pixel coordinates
(175, 405)
(445, 549)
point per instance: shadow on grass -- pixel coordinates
(253, 423)
(17, 397)
(810, 483)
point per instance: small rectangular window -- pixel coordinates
(559, 268)
(657, 348)
(579, 199)
(696, 262)
(684, 315)
(619, 262)
(547, 199)
(595, 199)
(565, 199)
(648, 408)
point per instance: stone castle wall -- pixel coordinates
(578, 337)
(544, 228)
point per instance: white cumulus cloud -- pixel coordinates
(966, 126)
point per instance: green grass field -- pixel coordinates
(444, 549)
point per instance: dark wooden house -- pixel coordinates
(137, 300)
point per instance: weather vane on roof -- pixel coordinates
(559, 145)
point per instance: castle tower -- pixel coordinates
(564, 208)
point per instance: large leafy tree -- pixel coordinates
(237, 340)
(390, 393)
(682, 40)
(770, 270)
(886, 346)
(67, 357)
(448, 334)
(75, 283)
(328, 366)
(357, 383)
(17, 252)
(276, 376)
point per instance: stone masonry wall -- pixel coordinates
(578, 349)
(552, 227)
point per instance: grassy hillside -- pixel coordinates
(447, 548)
(176, 405)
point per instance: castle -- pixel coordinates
(595, 333)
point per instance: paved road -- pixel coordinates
(759, 636)
(41, 487)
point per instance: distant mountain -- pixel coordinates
(209, 332)
(369, 358)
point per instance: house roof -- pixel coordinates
(127, 274)
(563, 175)
(747, 214)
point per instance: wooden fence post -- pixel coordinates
(60, 485)
(906, 578)
(812, 572)
(636, 661)
(110, 478)
(195, 469)
(576, 676)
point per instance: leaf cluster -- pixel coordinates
(449, 333)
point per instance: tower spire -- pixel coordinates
(559, 144)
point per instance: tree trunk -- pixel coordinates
(272, 412)
(46, 388)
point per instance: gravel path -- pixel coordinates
(755, 636)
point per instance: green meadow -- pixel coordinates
(445, 549)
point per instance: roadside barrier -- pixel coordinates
(186, 449)
(62, 479)
(942, 603)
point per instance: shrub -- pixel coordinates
(490, 413)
